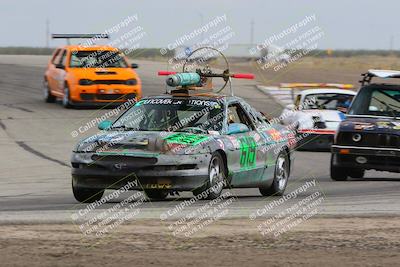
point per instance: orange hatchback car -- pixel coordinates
(90, 75)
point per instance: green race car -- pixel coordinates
(166, 144)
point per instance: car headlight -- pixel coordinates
(85, 82)
(85, 147)
(131, 82)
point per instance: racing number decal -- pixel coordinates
(248, 149)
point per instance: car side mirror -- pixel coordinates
(104, 125)
(235, 128)
(60, 66)
(134, 66)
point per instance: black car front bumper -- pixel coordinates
(367, 158)
(169, 172)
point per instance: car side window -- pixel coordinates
(236, 114)
(63, 58)
(56, 57)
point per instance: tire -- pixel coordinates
(48, 97)
(338, 173)
(281, 176)
(86, 195)
(156, 194)
(66, 100)
(357, 173)
(216, 178)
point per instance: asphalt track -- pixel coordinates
(36, 141)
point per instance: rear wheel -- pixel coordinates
(216, 178)
(48, 97)
(66, 100)
(86, 195)
(281, 177)
(156, 194)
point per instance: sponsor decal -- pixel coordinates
(396, 125)
(383, 124)
(234, 141)
(364, 126)
(186, 139)
(213, 132)
(157, 186)
(248, 149)
(275, 134)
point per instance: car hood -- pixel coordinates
(331, 118)
(326, 115)
(144, 141)
(103, 73)
(371, 124)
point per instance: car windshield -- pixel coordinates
(330, 101)
(170, 114)
(97, 59)
(377, 101)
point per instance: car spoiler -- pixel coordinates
(385, 74)
(69, 36)
(316, 85)
(79, 36)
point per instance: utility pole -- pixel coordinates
(391, 44)
(252, 32)
(47, 32)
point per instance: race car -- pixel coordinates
(185, 141)
(369, 137)
(83, 75)
(316, 112)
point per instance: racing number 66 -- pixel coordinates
(247, 152)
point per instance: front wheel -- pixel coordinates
(66, 100)
(216, 178)
(357, 173)
(281, 177)
(156, 194)
(338, 173)
(86, 195)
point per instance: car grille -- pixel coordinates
(91, 97)
(109, 82)
(369, 139)
(109, 96)
(133, 162)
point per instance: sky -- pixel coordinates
(346, 24)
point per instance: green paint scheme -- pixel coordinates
(186, 139)
(248, 152)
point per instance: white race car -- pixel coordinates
(316, 113)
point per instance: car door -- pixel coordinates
(60, 72)
(246, 161)
(52, 71)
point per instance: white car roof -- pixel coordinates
(327, 91)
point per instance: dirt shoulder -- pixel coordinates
(329, 241)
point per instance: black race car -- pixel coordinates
(369, 137)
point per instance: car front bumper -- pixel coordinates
(314, 141)
(104, 93)
(161, 171)
(367, 158)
